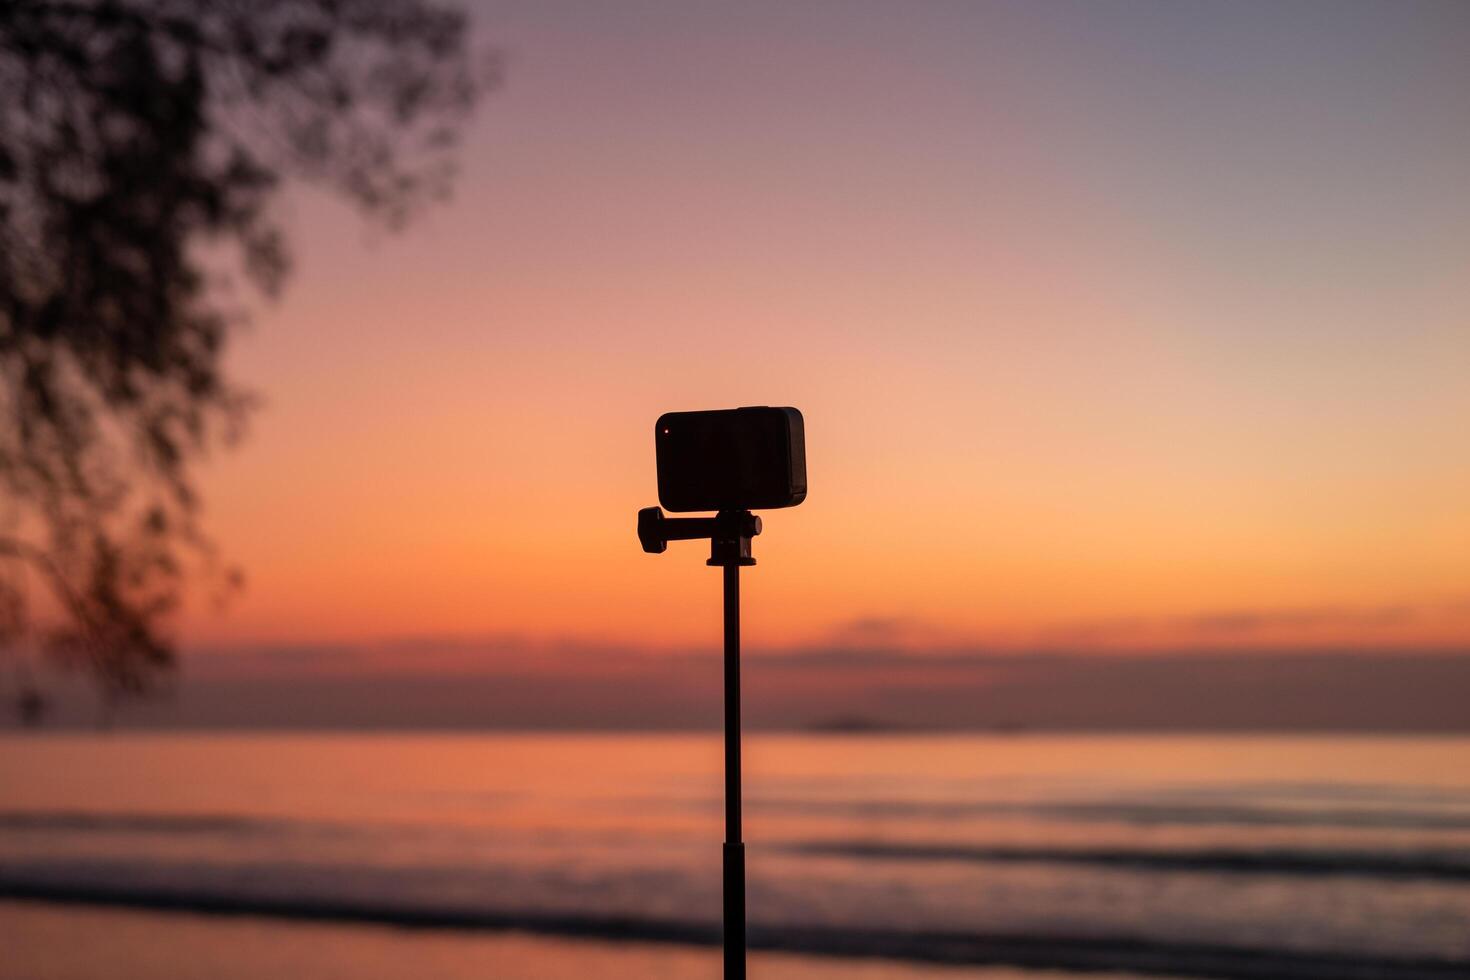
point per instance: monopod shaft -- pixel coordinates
(734, 865)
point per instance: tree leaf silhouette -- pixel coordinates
(134, 134)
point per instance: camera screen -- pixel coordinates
(735, 459)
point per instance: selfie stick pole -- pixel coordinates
(732, 552)
(729, 533)
(734, 870)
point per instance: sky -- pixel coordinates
(1119, 329)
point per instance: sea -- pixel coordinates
(899, 856)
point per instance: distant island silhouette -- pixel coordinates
(855, 724)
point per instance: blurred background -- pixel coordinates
(1126, 626)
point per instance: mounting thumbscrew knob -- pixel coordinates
(651, 532)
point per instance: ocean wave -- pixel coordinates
(1034, 951)
(1133, 813)
(1146, 814)
(1439, 865)
(149, 823)
(1331, 792)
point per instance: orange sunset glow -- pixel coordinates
(1089, 360)
(767, 490)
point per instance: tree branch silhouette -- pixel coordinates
(139, 140)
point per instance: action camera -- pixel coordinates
(731, 459)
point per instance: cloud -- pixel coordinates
(1238, 668)
(451, 653)
(1283, 690)
(891, 632)
(1426, 622)
(276, 658)
(862, 642)
(1235, 621)
(875, 627)
(1334, 624)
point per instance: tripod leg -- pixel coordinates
(734, 863)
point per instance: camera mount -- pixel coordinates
(729, 532)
